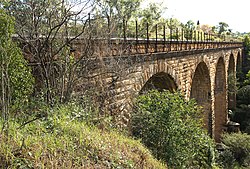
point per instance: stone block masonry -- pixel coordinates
(200, 74)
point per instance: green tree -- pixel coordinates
(222, 29)
(172, 128)
(247, 44)
(151, 16)
(189, 27)
(16, 79)
(242, 114)
(118, 13)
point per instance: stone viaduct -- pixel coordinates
(200, 70)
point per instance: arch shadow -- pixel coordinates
(231, 81)
(201, 92)
(160, 81)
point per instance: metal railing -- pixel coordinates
(142, 46)
(159, 39)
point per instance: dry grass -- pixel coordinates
(59, 142)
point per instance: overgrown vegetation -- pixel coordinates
(16, 78)
(39, 131)
(63, 139)
(171, 128)
(241, 114)
(236, 151)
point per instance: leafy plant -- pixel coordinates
(171, 128)
(241, 114)
(16, 79)
(236, 151)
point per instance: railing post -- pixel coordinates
(156, 40)
(204, 40)
(187, 36)
(191, 39)
(198, 35)
(136, 35)
(191, 35)
(164, 37)
(147, 46)
(170, 46)
(177, 37)
(195, 35)
(89, 19)
(124, 47)
(198, 44)
(182, 37)
(124, 30)
(207, 43)
(109, 38)
(195, 39)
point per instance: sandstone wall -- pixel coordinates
(120, 79)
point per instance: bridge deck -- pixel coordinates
(118, 47)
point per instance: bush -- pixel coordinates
(237, 149)
(243, 95)
(225, 158)
(16, 78)
(172, 128)
(64, 140)
(242, 114)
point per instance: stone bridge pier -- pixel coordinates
(203, 75)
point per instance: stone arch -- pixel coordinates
(151, 69)
(220, 106)
(201, 92)
(231, 81)
(160, 81)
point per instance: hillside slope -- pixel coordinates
(60, 142)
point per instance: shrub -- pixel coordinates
(172, 128)
(225, 158)
(243, 95)
(64, 140)
(16, 78)
(237, 148)
(242, 114)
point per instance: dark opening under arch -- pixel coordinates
(160, 81)
(231, 81)
(239, 62)
(201, 92)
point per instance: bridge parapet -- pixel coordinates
(132, 46)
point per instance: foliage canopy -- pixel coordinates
(172, 129)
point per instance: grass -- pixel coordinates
(61, 141)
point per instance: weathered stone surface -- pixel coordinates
(198, 74)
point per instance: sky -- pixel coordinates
(236, 13)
